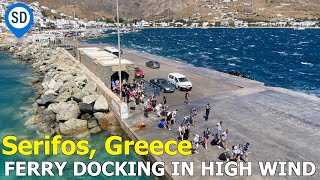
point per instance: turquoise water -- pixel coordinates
(278, 57)
(16, 98)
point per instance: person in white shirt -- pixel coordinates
(219, 130)
(237, 153)
(224, 139)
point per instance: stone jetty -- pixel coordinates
(67, 101)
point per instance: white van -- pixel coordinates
(113, 51)
(180, 81)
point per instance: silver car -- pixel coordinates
(153, 64)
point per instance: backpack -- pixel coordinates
(214, 142)
(225, 156)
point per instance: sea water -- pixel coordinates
(278, 57)
(16, 99)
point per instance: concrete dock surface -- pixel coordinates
(279, 124)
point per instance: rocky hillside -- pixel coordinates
(195, 9)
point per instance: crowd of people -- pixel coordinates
(220, 134)
(134, 92)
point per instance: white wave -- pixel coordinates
(234, 49)
(232, 64)
(218, 49)
(303, 42)
(205, 56)
(157, 48)
(233, 59)
(252, 45)
(282, 53)
(297, 54)
(306, 63)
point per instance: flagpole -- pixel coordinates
(119, 56)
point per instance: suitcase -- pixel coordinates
(214, 142)
(149, 108)
(225, 156)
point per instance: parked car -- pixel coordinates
(138, 73)
(164, 85)
(67, 47)
(180, 81)
(153, 64)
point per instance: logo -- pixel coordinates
(19, 19)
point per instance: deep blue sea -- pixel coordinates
(16, 99)
(278, 57)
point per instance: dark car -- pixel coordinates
(68, 47)
(163, 84)
(153, 64)
(138, 73)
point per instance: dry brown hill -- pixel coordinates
(203, 9)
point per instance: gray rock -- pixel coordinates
(101, 104)
(85, 108)
(44, 128)
(67, 111)
(58, 85)
(89, 99)
(95, 130)
(85, 116)
(106, 119)
(63, 97)
(50, 91)
(73, 127)
(47, 99)
(77, 93)
(92, 122)
(90, 88)
(81, 80)
(33, 120)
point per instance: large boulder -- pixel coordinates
(90, 88)
(92, 123)
(67, 111)
(63, 97)
(101, 104)
(106, 119)
(58, 85)
(95, 130)
(81, 80)
(73, 127)
(85, 116)
(90, 99)
(33, 120)
(115, 130)
(47, 99)
(44, 128)
(86, 108)
(77, 94)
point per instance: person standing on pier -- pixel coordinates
(208, 107)
(206, 135)
(186, 98)
(164, 100)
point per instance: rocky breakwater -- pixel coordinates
(67, 101)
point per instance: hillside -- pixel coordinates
(194, 9)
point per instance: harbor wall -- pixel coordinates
(119, 108)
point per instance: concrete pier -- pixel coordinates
(280, 125)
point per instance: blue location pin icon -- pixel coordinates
(19, 19)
